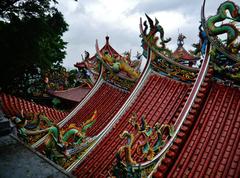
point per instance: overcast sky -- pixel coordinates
(94, 19)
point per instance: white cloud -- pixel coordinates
(178, 20)
(94, 19)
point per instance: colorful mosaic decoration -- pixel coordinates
(31, 126)
(64, 146)
(145, 141)
(119, 70)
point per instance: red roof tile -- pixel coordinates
(106, 101)
(12, 106)
(72, 94)
(212, 148)
(107, 47)
(181, 53)
(159, 99)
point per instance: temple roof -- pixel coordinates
(159, 106)
(181, 53)
(72, 94)
(107, 47)
(213, 140)
(78, 93)
(12, 106)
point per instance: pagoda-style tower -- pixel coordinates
(90, 63)
(90, 60)
(181, 54)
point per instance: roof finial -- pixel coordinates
(107, 39)
(180, 40)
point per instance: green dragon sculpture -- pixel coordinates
(230, 29)
(119, 65)
(149, 142)
(224, 54)
(61, 144)
(31, 126)
(147, 145)
(119, 70)
(151, 139)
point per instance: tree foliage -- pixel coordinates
(59, 78)
(30, 42)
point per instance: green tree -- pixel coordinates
(30, 42)
(59, 78)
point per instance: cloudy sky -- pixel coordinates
(94, 19)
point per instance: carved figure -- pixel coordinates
(63, 143)
(31, 124)
(127, 149)
(154, 29)
(230, 29)
(149, 141)
(120, 65)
